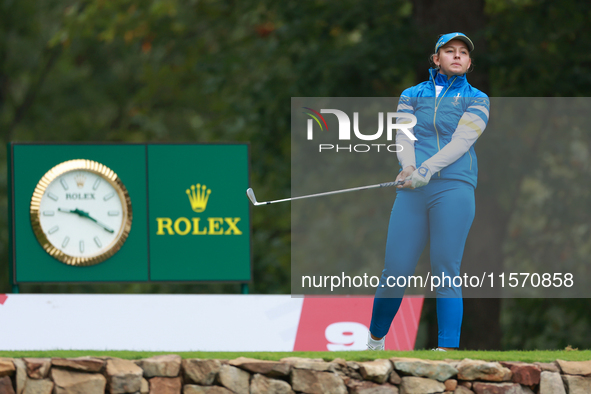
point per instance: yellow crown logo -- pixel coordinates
(80, 179)
(198, 196)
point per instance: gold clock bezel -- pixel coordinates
(107, 174)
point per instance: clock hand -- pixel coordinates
(86, 215)
(108, 229)
(83, 214)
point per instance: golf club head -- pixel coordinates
(251, 197)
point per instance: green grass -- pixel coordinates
(525, 356)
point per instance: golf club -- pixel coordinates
(253, 199)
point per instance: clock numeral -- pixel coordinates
(113, 213)
(48, 213)
(109, 196)
(52, 196)
(65, 243)
(97, 241)
(96, 184)
(81, 246)
(64, 184)
(53, 229)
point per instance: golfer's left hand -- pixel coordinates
(420, 177)
(404, 175)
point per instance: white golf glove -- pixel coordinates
(420, 177)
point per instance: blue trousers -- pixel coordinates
(442, 213)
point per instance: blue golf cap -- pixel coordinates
(444, 39)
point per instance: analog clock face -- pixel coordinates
(81, 212)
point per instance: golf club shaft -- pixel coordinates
(386, 184)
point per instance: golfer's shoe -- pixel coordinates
(375, 344)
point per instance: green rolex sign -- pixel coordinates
(199, 215)
(129, 212)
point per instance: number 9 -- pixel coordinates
(346, 336)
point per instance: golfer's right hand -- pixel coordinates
(405, 175)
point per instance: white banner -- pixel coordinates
(176, 323)
(149, 322)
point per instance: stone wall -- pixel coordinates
(169, 374)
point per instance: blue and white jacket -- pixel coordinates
(447, 127)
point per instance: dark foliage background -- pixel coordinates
(224, 70)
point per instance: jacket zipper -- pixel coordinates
(435, 115)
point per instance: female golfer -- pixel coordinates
(436, 202)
